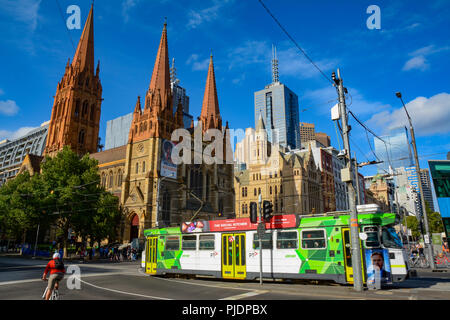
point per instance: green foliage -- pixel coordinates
(413, 224)
(434, 220)
(67, 194)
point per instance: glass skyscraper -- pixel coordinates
(395, 153)
(277, 105)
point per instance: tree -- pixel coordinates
(67, 193)
(20, 203)
(434, 220)
(413, 225)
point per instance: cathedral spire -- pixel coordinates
(161, 71)
(210, 107)
(84, 55)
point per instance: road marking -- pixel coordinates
(246, 295)
(37, 280)
(205, 285)
(123, 292)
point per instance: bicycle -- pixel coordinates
(55, 293)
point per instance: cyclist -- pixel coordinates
(57, 271)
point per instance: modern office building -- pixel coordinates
(307, 132)
(12, 153)
(395, 151)
(426, 187)
(117, 131)
(440, 173)
(278, 107)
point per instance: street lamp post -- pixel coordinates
(424, 211)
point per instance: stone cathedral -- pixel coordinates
(133, 172)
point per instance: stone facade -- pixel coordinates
(76, 108)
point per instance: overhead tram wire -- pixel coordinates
(65, 26)
(295, 43)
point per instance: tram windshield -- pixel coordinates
(390, 238)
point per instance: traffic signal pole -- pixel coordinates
(260, 240)
(354, 227)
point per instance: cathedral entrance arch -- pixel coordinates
(134, 227)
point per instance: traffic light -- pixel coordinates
(253, 212)
(267, 210)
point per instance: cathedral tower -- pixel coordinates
(76, 108)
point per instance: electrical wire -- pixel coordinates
(64, 22)
(295, 43)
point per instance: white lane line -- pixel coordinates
(40, 280)
(123, 292)
(246, 295)
(252, 292)
(205, 285)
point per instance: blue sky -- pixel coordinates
(410, 53)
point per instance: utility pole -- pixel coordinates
(427, 237)
(347, 177)
(357, 180)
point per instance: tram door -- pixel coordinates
(233, 256)
(347, 244)
(150, 255)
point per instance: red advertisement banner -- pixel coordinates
(240, 224)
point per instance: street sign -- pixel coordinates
(261, 230)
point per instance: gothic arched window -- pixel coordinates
(111, 179)
(92, 112)
(81, 137)
(77, 108)
(119, 178)
(85, 109)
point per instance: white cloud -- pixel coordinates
(250, 52)
(198, 17)
(127, 5)
(430, 116)
(1, 92)
(8, 107)
(12, 135)
(419, 59)
(293, 63)
(196, 64)
(325, 98)
(419, 63)
(25, 11)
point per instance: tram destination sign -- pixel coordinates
(240, 224)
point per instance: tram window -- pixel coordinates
(313, 239)
(266, 241)
(390, 238)
(373, 240)
(287, 240)
(189, 243)
(173, 243)
(206, 242)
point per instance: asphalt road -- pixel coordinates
(20, 280)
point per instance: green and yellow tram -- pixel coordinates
(293, 247)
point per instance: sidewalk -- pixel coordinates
(77, 259)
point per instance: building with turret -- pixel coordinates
(154, 191)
